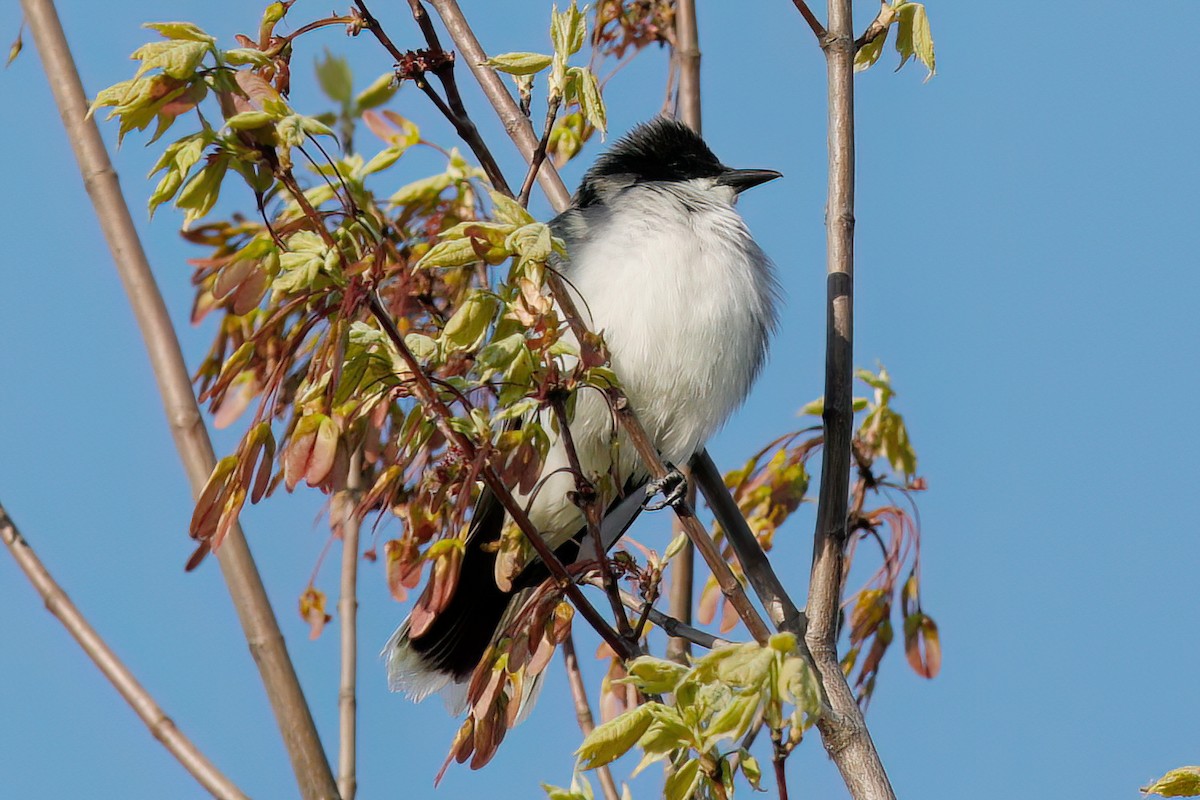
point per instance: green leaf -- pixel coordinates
(1182, 782)
(519, 63)
(335, 78)
(15, 48)
(614, 738)
(378, 93)
(869, 53)
(567, 29)
(499, 355)
(683, 782)
(241, 56)
(201, 192)
(177, 58)
(302, 264)
(382, 160)
(421, 346)
(450, 253)
(591, 103)
(470, 322)
(750, 768)
(424, 190)
(507, 210)
(180, 30)
(913, 37)
(735, 719)
(654, 675)
(249, 120)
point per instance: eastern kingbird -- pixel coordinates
(666, 268)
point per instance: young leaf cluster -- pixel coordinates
(710, 708)
(913, 38)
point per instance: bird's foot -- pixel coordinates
(672, 486)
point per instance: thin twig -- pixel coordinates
(452, 107)
(683, 571)
(539, 155)
(817, 28)
(349, 526)
(313, 774)
(686, 44)
(755, 565)
(843, 730)
(160, 725)
(779, 755)
(669, 624)
(588, 501)
(583, 712)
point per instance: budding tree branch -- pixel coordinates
(313, 774)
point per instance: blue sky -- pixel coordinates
(1027, 269)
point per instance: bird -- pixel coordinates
(661, 262)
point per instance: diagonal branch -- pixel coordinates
(766, 584)
(160, 725)
(817, 28)
(187, 427)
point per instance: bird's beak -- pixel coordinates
(743, 179)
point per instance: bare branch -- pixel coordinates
(843, 729)
(687, 54)
(160, 725)
(539, 155)
(583, 712)
(757, 567)
(258, 621)
(348, 525)
(817, 28)
(587, 500)
(686, 44)
(670, 625)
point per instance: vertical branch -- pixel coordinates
(583, 711)
(258, 621)
(683, 572)
(160, 725)
(843, 730)
(687, 57)
(347, 777)
(687, 54)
